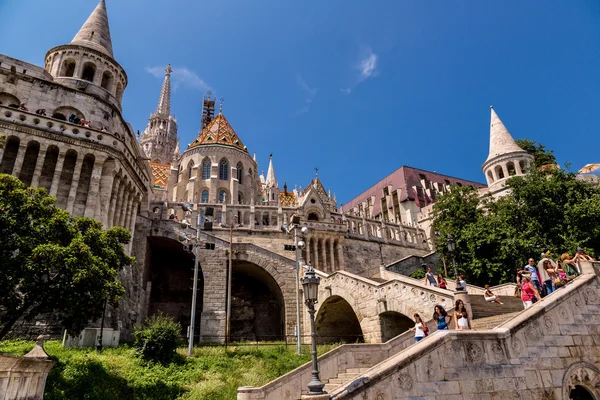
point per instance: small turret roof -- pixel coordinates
(218, 132)
(271, 180)
(501, 142)
(95, 32)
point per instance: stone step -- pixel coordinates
(491, 322)
(347, 375)
(356, 370)
(337, 381)
(330, 387)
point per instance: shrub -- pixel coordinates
(418, 274)
(157, 339)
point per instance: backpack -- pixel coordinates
(426, 329)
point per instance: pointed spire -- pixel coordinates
(164, 102)
(95, 32)
(501, 142)
(271, 180)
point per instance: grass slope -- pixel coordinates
(214, 373)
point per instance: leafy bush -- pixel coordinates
(157, 339)
(418, 274)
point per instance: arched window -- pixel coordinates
(510, 166)
(107, 80)
(190, 169)
(223, 170)
(499, 172)
(313, 216)
(523, 166)
(204, 198)
(68, 68)
(89, 70)
(240, 172)
(206, 169)
(240, 198)
(490, 177)
(222, 196)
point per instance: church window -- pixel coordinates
(240, 172)
(190, 169)
(107, 80)
(206, 169)
(313, 216)
(222, 196)
(511, 168)
(272, 196)
(204, 198)
(68, 68)
(240, 198)
(89, 70)
(499, 172)
(223, 170)
(490, 177)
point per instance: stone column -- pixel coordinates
(122, 206)
(60, 162)
(113, 201)
(307, 250)
(315, 255)
(464, 296)
(340, 250)
(332, 255)
(128, 211)
(505, 170)
(19, 160)
(103, 211)
(74, 184)
(37, 171)
(92, 204)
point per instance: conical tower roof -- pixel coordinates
(95, 32)
(218, 132)
(271, 180)
(164, 102)
(501, 142)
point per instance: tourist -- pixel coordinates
(172, 216)
(534, 277)
(528, 292)
(519, 278)
(440, 316)
(490, 297)
(419, 329)
(569, 266)
(460, 283)
(72, 118)
(23, 107)
(544, 276)
(430, 278)
(442, 284)
(41, 111)
(461, 316)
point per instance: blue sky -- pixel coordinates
(354, 88)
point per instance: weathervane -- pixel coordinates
(317, 172)
(221, 105)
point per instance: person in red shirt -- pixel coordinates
(528, 292)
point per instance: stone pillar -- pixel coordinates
(505, 170)
(57, 171)
(332, 255)
(212, 321)
(37, 171)
(121, 204)
(341, 261)
(19, 160)
(92, 204)
(307, 249)
(464, 296)
(128, 211)
(113, 201)
(315, 255)
(74, 184)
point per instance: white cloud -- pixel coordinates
(346, 90)
(181, 76)
(310, 95)
(367, 66)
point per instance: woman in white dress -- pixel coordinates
(420, 328)
(461, 316)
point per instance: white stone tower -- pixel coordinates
(506, 158)
(271, 187)
(87, 63)
(159, 141)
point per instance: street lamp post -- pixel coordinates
(299, 245)
(452, 251)
(310, 284)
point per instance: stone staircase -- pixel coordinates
(484, 309)
(343, 378)
(491, 322)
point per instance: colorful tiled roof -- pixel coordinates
(218, 131)
(287, 199)
(160, 175)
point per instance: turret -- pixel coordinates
(506, 158)
(159, 141)
(87, 63)
(270, 187)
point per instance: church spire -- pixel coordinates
(95, 32)
(501, 142)
(164, 102)
(271, 180)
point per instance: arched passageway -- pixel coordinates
(336, 322)
(257, 305)
(170, 269)
(393, 324)
(580, 393)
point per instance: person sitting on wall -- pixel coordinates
(491, 297)
(172, 216)
(460, 283)
(23, 107)
(41, 111)
(72, 118)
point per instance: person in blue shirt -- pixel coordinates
(535, 278)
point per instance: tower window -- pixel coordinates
(107, 80)
(204, 198)
(68, 68)
(240, 172)
(206, 169)
(89, 70)
(190, 169)
(223, 170)
(222, 196)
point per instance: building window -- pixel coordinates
(223, 170)
(222, 196)
(240, 198)
(89, 70)
(107, 80)
(190, 170)
(68, 68)
(206, 169)
(204, 198)
(240, 171)
(219, 217)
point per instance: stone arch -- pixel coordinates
(581, 379)
(29, 161)
(224, 169)
(107, 80)
(7, 100)
(490, 177)
(169, 269)
(47, 173)
(337, 322)
(240, 172)
(510, 167)
(85, 178)
(11, 150)
(393, 324)
(206, 166)
(499, 172)
(69, 113)
(66, 178)
(89, 71)
(68, 68)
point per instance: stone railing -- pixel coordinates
(25, 377)
(550, 348)
(74, 131)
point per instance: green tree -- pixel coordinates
(541, 154)
(54, 263)
(552, 211)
